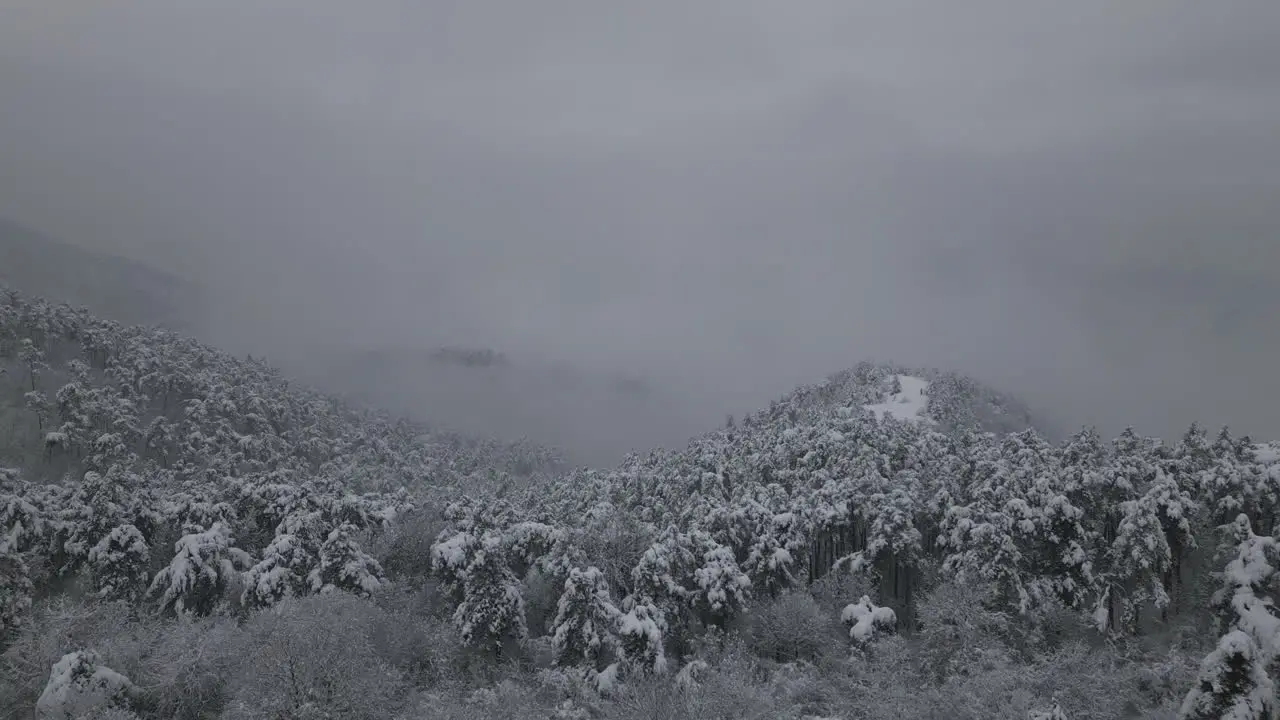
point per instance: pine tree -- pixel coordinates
(282, 572)
(492, 608)
(720, 589)
(203, 565)
(16, 589)
(22, 524)
(118, 564)
(894, 544)
(33, 358)
(770, 562)
(1237, 679)
(586, 620)
(1137, 563)
(1233, 684)
(661, 576)
(344, 566)
(640, 636)
(451, 555)
(38, 403)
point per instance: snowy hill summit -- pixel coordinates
(907, 400)
(947, 401)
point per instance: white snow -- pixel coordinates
(1102, 612)
(1268, 453)
(77, 685)
(607, 679)
(866, 618)
(908, 404)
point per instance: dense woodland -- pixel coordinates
(189, 535)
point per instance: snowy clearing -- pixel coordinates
(909, 404)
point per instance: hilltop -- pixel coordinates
(950, 401)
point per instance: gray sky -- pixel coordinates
(1078, 201)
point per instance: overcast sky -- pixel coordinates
(1079, 201)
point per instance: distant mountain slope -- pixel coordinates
(112, 287)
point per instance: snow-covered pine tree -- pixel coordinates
(640, 638)
(1059, 557)
(15, 590)
(770, 561)
(204, 563)
(282, 572)
(33, 359)
(586, 621)
(894, 548)
(118, 564)
(1137, 568)
(38, 403)
(344, 566)
(660, 577)
(1237, 680)
(451, 554)
(720, 589)
(22, 524)
(1235, 484)
(1193, 454)
(492, 609)
(983, 546)
(535, 544)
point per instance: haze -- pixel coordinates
(1074, 201)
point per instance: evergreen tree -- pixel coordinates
(284, 571)
(344, 566)
(203, 565)
(586, 620)
(1237, 680)
(492, 609)
(118, 564)
(640, 636)
(33, 359)
(15, 591)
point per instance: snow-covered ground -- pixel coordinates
(908, 404)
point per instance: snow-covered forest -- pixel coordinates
(186, 534)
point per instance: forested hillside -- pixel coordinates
(190, 535)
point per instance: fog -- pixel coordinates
(1073, 201)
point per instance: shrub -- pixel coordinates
(188, 665)
(314, 657)
(791, 627)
